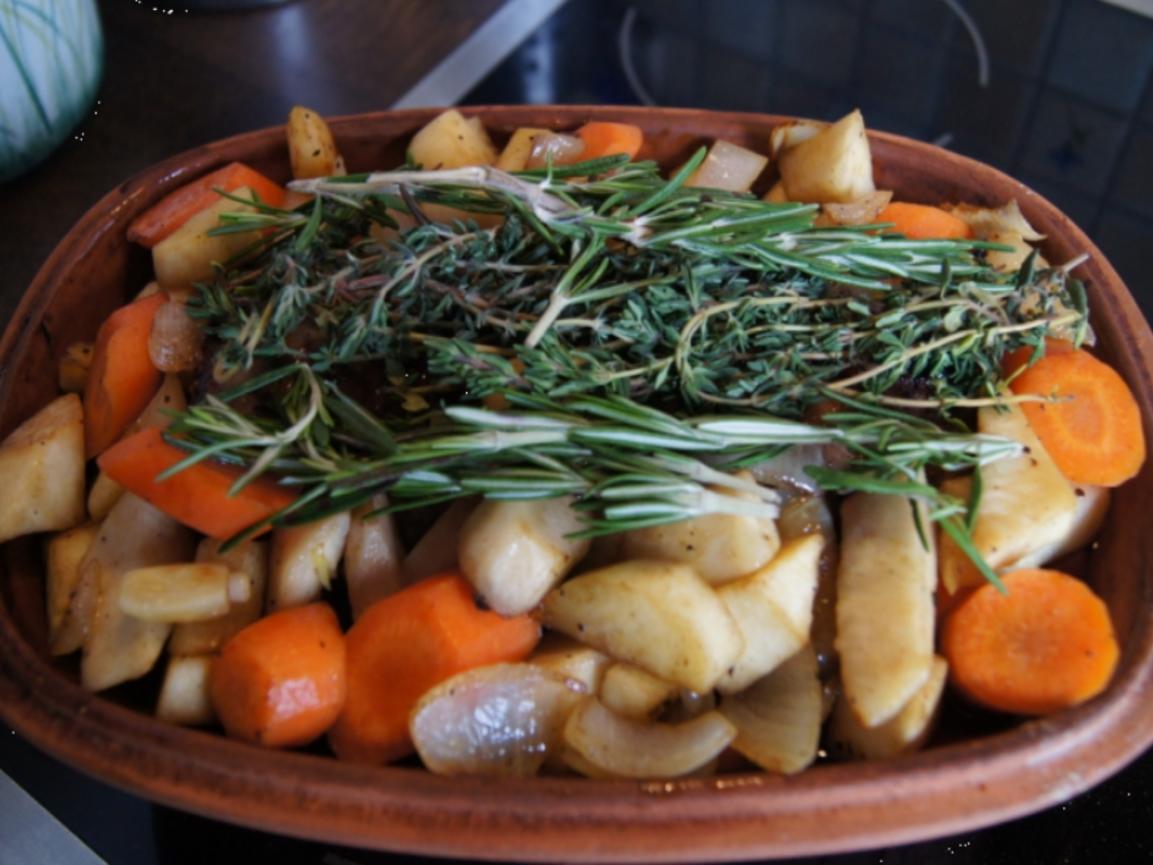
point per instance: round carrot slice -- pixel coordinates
(1045, 645)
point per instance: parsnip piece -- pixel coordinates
(249, 559)
(311, 147)
(778, 718)
(902, 734)
(63, 555)
(451, 141)
(42, 471)
(885, 610)
(119, 647)
(436, 550)
(836, 164)
(515, 155)
(634, 693)
(186, 256)
(729, 166)
(102, 495)
(660, 616)
(186, 592)
(773, 609)
(184, 695)
(372, 556)
(502, 720)
(788, 135)
(514, 552)
(562, 656)
(626, 748)
(304, 560)
(719, 547)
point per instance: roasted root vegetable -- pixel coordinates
(373, 556)
(923, 221)
(187, 255)
(185, 695)
(311, 147)
(602, 138)
(834, 164)
(247, 561)
(305, 559)
(63, 554)
(452, 141)
(729, 166)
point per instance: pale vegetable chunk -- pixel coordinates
(250, 560)
(633, 692)
(502, 720)
(836, 164)
(515, 155)
(42, 471)
(63, 555)
(119, 647)
(660, 616)
(373, 556)
(625, 748)
(184, 695)
(562, 656)
(311, 147)
(773, 609)
(514, 552)
(176, 593)
(451, 141)
(778, 718)
(719, 547)
(102, 495)
(885, 609)
(187, 255)
(902, 734)
(787, 135)
(304, 560)
(730, 167)
(436, 550)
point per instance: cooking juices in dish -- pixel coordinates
(534, 459)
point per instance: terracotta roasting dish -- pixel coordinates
(978, 778)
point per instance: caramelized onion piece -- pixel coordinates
(557, 148)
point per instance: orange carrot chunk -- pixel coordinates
(610, 139)
(1093, 430)
(175, 209)
(122, 378)
(197, 496)
(405, 644)
(1019, 357)
(280, 682)
(1046, 645)
(923, 221)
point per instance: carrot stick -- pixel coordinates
(923, 221)
(196, 496)
(609, 139)
(405, 644)
(1093, 432)
(281, 681)
(122, 378)
(1045, 645)
(172, 211)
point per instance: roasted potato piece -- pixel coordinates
(311, 147)
(304, 560)
(184, 695)
(186, 592)
(836, 164)
(450, 140)
(63, 554)
(729, 166)
(249, 559)
(787, 135)
(778, 718)
(187, 255)
(373, 556)
(885, 611)
(633, 692)
(42, 471)
(514, 552)
(660, 616)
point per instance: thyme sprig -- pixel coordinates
(648, 338)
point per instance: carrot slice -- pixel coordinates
(172, 211)
(1093, 432)
(1046, 645)
(405, 644)
(280, 681)
(122, 378)
(1019, 357)
(196, 496)
(923, 221)
(610, 139)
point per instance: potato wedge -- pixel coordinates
(502, 720)
(450, 140)
(660, 616)
(836, 164)
(249, 559)
(634, 693)
(373, 556)
(188, 254)
(42, 471)
(773, 609)
(184, 592)
(63, 554)
(304, 559)
(885, 612)
(625, 748)
(119, 647)
(184, 695)
(514, 552)
(778, 718)
(311, 147)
